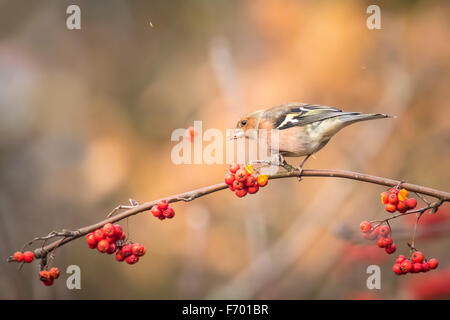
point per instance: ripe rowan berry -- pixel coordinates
(251, 181)
(384, 242)
(417, 257)
(48, 282)
(433, 263)
(411, 203)
(163, 204)
(234, 168)
(253, 189)
(112, 248)
(99, 234)
(384, 197)
(372, 235)
(425, 267)
(263, 179)
(28, 256)
(249, 169)
(393, 191)
(119, 256)
(44, 275)
(18, 256)
(126, 250)
(54, 273)
(390, 207)
(169, 213)
(232, 188)
(90, 239)
(365, 227)
(238, 185)
(241, 175)
(241, 193)
(391, 249)
(156, 211)
(402, 195)
(229, 178)
(103, 245)
(397, 269)
(108, 229)
(132, 259)
(138, 249)
(400, 259)
(406, 266)
(385, 231)
(118, 230)
(393, 198)
(402, 207)
(417, 267)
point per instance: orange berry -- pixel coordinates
(54, 273)
(241, 193)
(44, 275)
(249, 169)
(402, 195)
(393, 198)
(18, 256)
(262, 179)
(390, 207)
(384, 197)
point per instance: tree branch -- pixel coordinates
(68, 236)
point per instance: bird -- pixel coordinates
(303, 129)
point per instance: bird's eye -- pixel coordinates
(244, 122)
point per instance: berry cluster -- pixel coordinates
(242, 181)
(26, 257)
(416, 264)
(111, 239)
(162, 210)
(381, 233)
(397, 200)
(48, 277)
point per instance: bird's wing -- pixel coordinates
(292, 115)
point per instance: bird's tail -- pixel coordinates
(352, 117)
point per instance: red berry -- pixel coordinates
(238, 185)
(119, 256)
(161, 217)
(18, 256)
(372, 235)
(54, 273)
(411, 203)
(241, 193)
(234, 168)
(417, 267)
(44, 275)
(138, 249)
(393, 191)
(132, 259)
(406, 266)
(156, 211)
(232, 188)
(251, 181)
(385, 231)
(126, 250)
(387, 242)
(425, 267)
(112, 248)
(365, 227)
(103, 245)
(241, 175)
(99, 234)
(391, 249)
(229, 178)
(90, 239)
(163, 204)
(390, 207)
(118, 231)
(384, 197)
(28, 256)
(400, 259)
(433, 263)
(401, 206)
(417, 257)
(253, 189)
(169, 213)
(393, 198)
(48, 282)
(397, 269)
(108, 229)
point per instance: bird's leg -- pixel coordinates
(283, 163)
(300, 167)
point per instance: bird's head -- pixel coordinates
(247, 126)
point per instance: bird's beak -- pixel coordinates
(236, 134)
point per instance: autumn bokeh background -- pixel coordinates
(86, 118)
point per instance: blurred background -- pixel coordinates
(85, 123)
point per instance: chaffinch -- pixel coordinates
(303, 129)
